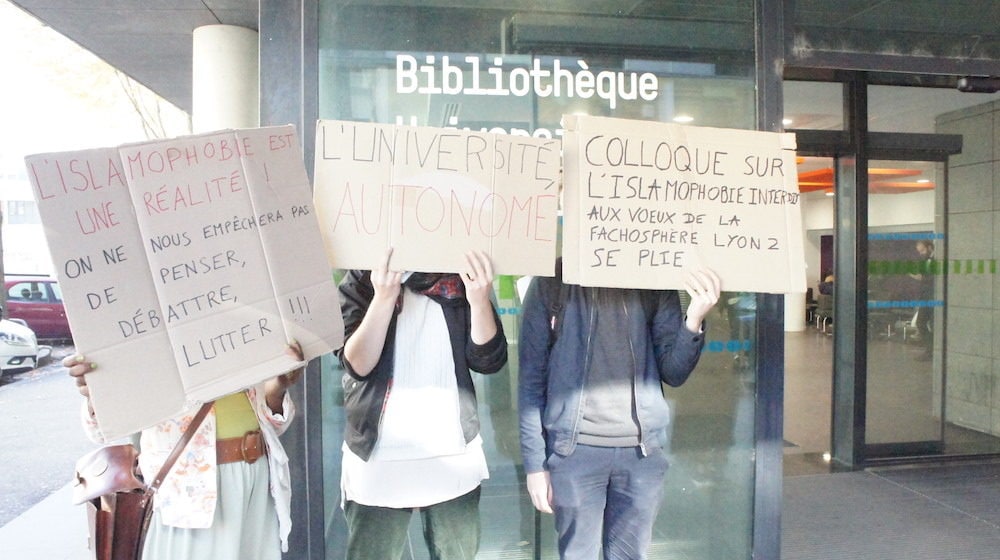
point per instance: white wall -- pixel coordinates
(892, 212)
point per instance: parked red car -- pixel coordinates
(37, 300)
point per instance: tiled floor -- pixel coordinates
(902, 405)
(906, 513)
(935, 511)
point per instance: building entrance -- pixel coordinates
(893, 185)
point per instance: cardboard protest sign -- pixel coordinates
(170, 258)
(434, 194)
(107, 287)
(286, 220)
(645, 202)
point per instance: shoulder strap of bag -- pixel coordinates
(188, 434)
(555, 296)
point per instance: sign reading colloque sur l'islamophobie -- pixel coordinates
(187, 265)
(646, 202)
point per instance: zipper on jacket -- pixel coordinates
(586, 368)
(381, 413)
(635, 379)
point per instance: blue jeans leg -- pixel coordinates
(634, 496)
(606, 498)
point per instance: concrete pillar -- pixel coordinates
(795, 312)
(225, 89)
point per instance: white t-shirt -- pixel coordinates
(421, 457)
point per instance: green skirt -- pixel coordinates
(245, 526)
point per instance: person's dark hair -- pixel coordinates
(420, 281)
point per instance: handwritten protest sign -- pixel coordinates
(433, 194)
(645, 202)
(107, 288)
(282, 201)
(169, 257)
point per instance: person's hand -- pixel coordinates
(540, 489)
(704, 287)
(363, 349)
(386, 282)
(478, 280)
(78, 367)
(478, 277)
(294, 351)
(276, 387)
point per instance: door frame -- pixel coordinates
(852, 148)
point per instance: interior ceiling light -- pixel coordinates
(786, 122)
(683, 119)
(880, 181)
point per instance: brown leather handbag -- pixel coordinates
(119, 504)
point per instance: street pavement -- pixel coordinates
(40, 440)
(53, 529)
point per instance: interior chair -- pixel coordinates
(824, 311)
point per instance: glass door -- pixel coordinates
(914, 354)
(907, 283)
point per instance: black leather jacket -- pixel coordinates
(364, 397)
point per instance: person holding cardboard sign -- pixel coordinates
(593, 420)
(412, 436)
(228, 496)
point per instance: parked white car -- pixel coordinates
(19, 350)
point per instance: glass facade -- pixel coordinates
(497, 67)
(813, 105)
(517, 70)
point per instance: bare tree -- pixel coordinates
(148, 106)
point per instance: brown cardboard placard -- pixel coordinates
(646, 202)
(432, 194)
(187, 265)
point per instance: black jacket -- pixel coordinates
(365, 397)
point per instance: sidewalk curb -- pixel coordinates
(53, 529)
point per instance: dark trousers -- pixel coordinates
(606, 499)
(451, 529)
(923, 324)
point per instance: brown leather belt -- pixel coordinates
(248, 448)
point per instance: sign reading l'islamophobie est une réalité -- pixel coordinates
(433, 194)
(187, 265)
(646, 202)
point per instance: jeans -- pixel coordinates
(451, 529)
(606, 498)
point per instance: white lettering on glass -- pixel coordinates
(445, 77)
